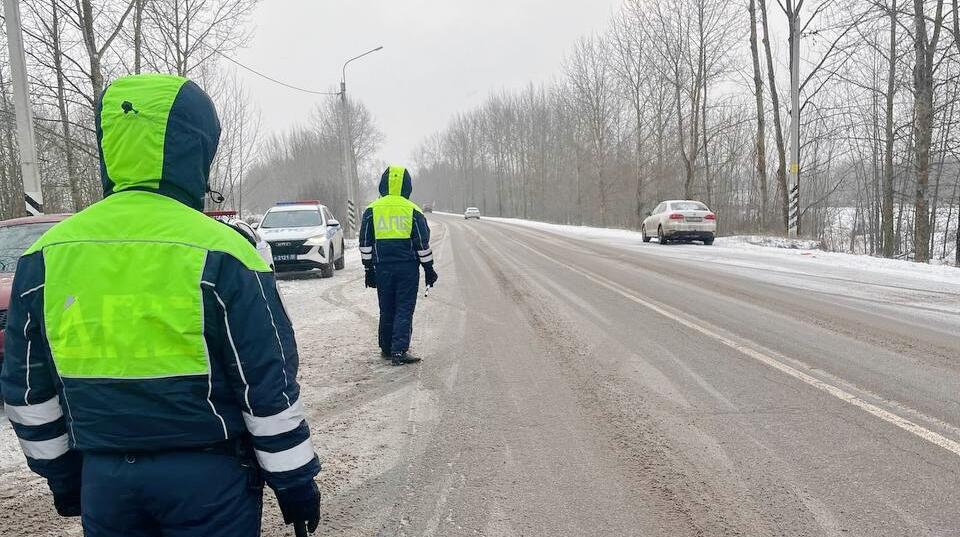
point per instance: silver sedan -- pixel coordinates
(680, 220)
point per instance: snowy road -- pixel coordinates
(605, 387)
(587, 384)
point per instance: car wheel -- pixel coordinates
(708, 241)
(326, 271)
(643, 234)
(340, 262)
(660, 236)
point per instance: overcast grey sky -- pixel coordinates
(439, 57)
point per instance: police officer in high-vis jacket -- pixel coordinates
(394, 244)
(151, 369)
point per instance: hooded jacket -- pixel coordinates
(140, 324)
(393, 229)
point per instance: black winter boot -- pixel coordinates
(400, 358)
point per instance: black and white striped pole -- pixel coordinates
(352, 217)
(794, 213)
(21, 102)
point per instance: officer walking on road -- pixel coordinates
(151, 370)
(394, 243)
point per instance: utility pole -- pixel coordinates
(345, 150)
(30, 172)
(348, 165)
(793, 12)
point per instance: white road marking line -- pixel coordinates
(885, 415)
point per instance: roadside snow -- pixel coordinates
(771, 242)
(757, 251)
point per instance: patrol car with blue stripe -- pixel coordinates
(304, 236)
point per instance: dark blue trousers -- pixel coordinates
(175, 494)
(397, 288)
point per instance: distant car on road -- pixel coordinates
(304, 236)
(16, 236)
(242, 227)
(680, 220)
(428, 207)
(471, 212)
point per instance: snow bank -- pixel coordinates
(769, 242)
(759, 252)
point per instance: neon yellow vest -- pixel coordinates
(122, 295)
(393, 213)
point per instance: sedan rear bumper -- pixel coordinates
(690, 231)
(689, 235)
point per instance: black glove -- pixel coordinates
(301, 504)
(370, 278)
(430, 275)
(66, 499)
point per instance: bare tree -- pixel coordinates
(887, 205)
(590, 80)
(761, 137)
(925, 46)
(777, 125)
(186, 34)
(630, 66)
(86, 21)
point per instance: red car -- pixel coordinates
(16, 236)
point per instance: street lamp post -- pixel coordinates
(30, 172)
(348, 164)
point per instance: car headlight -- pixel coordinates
(318, 240)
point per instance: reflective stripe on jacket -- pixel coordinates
(140, 324)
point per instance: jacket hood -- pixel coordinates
(157, 133)
(396, 181)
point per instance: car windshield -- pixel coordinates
(688, 206)
(14, 240)
(277, 219)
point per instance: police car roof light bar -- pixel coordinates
(300, 202)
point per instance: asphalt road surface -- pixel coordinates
(571, 387)
(581, 387)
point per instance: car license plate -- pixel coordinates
(285, 257)
(694, 219)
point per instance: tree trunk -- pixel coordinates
(777, 128)
(638, 112)
(923, 122)
(681, 133)
(887, 210)
(761, 143)
(707, 179)
(14, 198)
(72, 178)
(137, 36)
(90, 41)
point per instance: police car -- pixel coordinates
(304, 236)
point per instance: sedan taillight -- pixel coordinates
(676, 216)
(710, 216)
